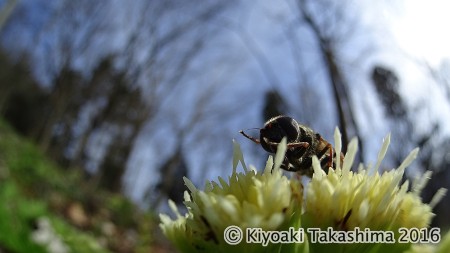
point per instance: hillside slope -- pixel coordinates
(45, 208)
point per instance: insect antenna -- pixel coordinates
(255, 140)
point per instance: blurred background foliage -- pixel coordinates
(106, 105)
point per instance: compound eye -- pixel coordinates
(270, 136)
(290, 127)
(269, 145)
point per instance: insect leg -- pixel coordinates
(302, 144)
(250, 138)
(291, 145)
(330, 162)
(342, 158)
(326, 160)
(285, 164)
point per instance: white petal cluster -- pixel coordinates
(248, 199)
(344, 199)
(45, 235)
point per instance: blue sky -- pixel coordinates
(399, 34)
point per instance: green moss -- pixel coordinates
(17, 215)
(33, 186)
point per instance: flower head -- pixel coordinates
(345, 200)
(249, 199)
(366, 199)
(341, 199)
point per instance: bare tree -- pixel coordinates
(331, 24)
(116, 93)
(6, 11)
(71, 39)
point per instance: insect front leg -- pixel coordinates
(301, 144)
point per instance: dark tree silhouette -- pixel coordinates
(329, 27)
(171, 184)
(386, 85)
(274, 105)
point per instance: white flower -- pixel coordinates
(341, 199)
(45, 235)
(248, 199)
(344, 199)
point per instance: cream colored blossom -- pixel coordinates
(249, 199)
(344, 199)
